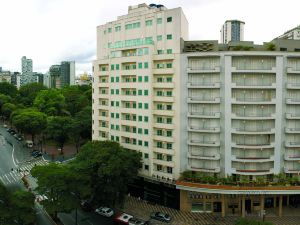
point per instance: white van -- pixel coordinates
(29, 144)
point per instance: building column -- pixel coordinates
(243, 206)
(262, 207)
(288, 200)
(274, 201)
(280, 206)
(223, 205)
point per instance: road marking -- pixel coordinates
(13, 158)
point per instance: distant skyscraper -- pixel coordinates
(27, 75)
(293, 34)
(67, 76)
(232, 30)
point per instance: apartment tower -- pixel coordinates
(232, 30)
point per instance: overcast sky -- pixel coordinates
(49, 31)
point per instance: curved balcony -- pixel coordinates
(208, 115)
(204, 70)
(204, 157)
(252, 159)
(292, 130)
(204, 143)
(292, 101)
(249, 116)
(258, 131)
(253, 101)
(204, 100)
(293, 70)
(204, 169)
(293, 86)
(203, 85)
(252, 171)
(262, 69)
(204, 129)
(289, 157)
(292, 144)
(163, 85)
(292, 116)
(253, 86)
(163, 71)
(253, 146)
(290, 170)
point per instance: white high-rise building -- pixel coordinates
(136, 88)
(27, 75)
(232, 30)
(293, 34)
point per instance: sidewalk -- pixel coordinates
(141, 209)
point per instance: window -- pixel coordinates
(140, 131)
(112, 91)
(112, 103)
(159, 93)
(159, 167)
(146, 78)
(160, 52)
(128, 26)
(159, 156)
(117, 115)
(117, 91)
(169, 133)
(169, 19)
(159, 107)
(117, 139)
(146, 118)
(159, 132)
(169, 158)
(146, 65)
(112, 115)
(146, 167)
(103, 114)
(146, 131)
(169, 93)
(146, 51)
(118, 66)
(140, 79)
(140, 65)
(159, 144)
(117, 127)
(169, 51)
(140, 92)
(117, 28)
(159, 20)
(169, 120)
(117, 104)
(112, 79)
(169, 145)
(140, 118)
(146, 144)
(148, 23)
(148, 40)
(146, 155)
(146, 92)
(159, 80)
(112, 126)
(169, 79)
(169, 107)
(159, 120)
(169, 169)
(140, 105)
(159, 38)
(146, 105)
(140, 142)
(169, 65)
(169, 36)
(117, 79)
(134, 130)
(109, 30)
(112, 67)
(112, 138)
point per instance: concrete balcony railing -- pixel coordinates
(163, 85)
(249, 116)
(252, 171)
(293, 101)
(292, 116)
(293, 70)
(253, 101)
(254, 159)
(204, 69)
(204, 143)
(257, 131)
(203, 85)
(204, 169)
(204, 129)
(259, 69)
(216, 100)
(253, 86)
(293, 85)
(292, 144)
(204, 115)
(163, 71)
(289, 157)
(292, 130)
(291, 170)
(253, 146)
(204, 157)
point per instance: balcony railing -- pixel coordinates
(293, 70)
(293, 85)
(292, 170)
(204, 114)
(253, 159)
(204, 143)
(292, 101)
(257, 69)
(292, 130)
(252, 171)
(203, 85)
(293, 116)
(289, 157)
(253, 145)
(204, 129)
(261, 130)
(204, 157)
(253, 116)
(254, 86)
(292, 144)
(204, 169)
(253, 101)
(209, 69)
(204, 100)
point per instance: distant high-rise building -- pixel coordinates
(27, 75)
(67, 76)
(54, 72)
(293, 34)
(232, 30)
(5, 76)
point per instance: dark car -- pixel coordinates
(39, 154)
(34, 152)
(86, 206)
(160, 216)
(12, 132)
(18, 137)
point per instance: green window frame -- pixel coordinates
(140, 92)
(159, 37)
(117, 104)
(169, 79)
(117, 91)
(146, 105)
(109, 30)
(146, 143)
(140, 78)
(146, 78)
(112, 115)
(117, 115)
(117, 127)
(140, 143)
(140, 65)
(117, 28)
(140, 118)
(146, 155)
(169, 19)
(159, 21)
(169, 37)
(146, 65)
(140, 131)
(160, 52)
(112, 126)
(117, 79)
(146, 92)
(169, 51)
(148, 23)
(117, 66)
(146, 118)
(112, 67)
(169, 133)
(112, 91)
(146, 131)
(112, 103)
(112, 79)
(169, 65)
(140, 105)
(112, 137)
(117, 138)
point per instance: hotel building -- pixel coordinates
(199, 106)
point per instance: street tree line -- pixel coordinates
(49, 114)
(99, 174)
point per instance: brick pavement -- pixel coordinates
(142, 209)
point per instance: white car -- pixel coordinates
(105, 211)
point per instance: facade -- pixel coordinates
(232, 30)
(293, 34)
(27, 75)
(5, 76)
(54, 72)
(62, 75)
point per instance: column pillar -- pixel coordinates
(280, 206)
(274, 201)
(243, 206)
(288, 200)
(223, 205)
(262, 207)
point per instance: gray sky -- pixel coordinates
(49, 31)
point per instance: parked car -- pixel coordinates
(122, 219)
(105, 211)
(36, 154)
(136, 221)
(29, 144)
(160, 216)
(4, 125)
(86, 206)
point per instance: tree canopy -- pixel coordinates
(29, 92)
(8, 89)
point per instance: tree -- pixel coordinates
(7, 109)
(75, 99)
(50, 102)
(58, 129)
(4, 99)
(8, 89)
(110, 168)
(29, 121)
(62, 186)
(28, 92)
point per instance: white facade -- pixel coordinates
(293, 34)
(27, 75)
(243, 112)
(232, 30)
(136, 87)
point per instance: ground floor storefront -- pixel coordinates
(242, 201)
